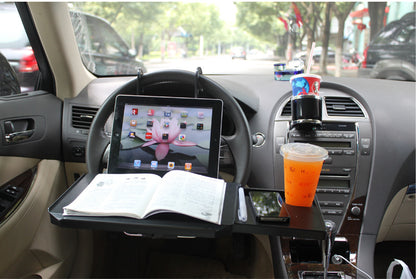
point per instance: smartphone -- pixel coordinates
(268, 206)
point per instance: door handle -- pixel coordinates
(18, 130)
(18, 136)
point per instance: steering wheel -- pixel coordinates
(180, 84)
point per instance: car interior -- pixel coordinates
(58, 135)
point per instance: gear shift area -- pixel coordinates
(325, 252)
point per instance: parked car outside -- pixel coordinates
(317, 55)
(391, 54)
(102, 49)
(15, 46)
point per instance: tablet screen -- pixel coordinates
(159, 134)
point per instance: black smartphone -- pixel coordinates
(268, 206)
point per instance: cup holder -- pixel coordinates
(306, 111)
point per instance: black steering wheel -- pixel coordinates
(180, 84)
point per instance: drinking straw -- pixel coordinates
(310, 58)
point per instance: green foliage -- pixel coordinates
(261, 19)
(341, 8)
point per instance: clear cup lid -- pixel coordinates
(303, 152)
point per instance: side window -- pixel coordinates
(407, 34)
(385, 36)
(412, 37)
(16, 49)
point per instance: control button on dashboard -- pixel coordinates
(355, 211)
(365, 142)
(11, 192)
(335, 152)
(332, 203)
(332, 211)
(78, 151)
(328, 160)
(349, 152)
(365, 146)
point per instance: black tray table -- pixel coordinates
(304, 222)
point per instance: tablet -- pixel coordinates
(159, 134)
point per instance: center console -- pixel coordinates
(339, 169)
(342, 187)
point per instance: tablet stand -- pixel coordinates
(198, 73)
(139, 81)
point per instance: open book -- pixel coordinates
(142, 195)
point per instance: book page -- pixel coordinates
(115, 195)
(190, 194)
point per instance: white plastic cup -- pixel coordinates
(302, 168)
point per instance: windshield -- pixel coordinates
(224, 37)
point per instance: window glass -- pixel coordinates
(239, 37)
(412, 37)
(385, 36)
(15, 47)
(406, 34)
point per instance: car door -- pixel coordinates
(32, 175)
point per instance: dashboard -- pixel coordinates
(368, 129)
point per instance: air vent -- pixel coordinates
(341, 106)
(83, 116)
(287, 110)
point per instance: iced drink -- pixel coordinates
(302, 167)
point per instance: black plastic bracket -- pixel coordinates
(198, 88)
(139, 81)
